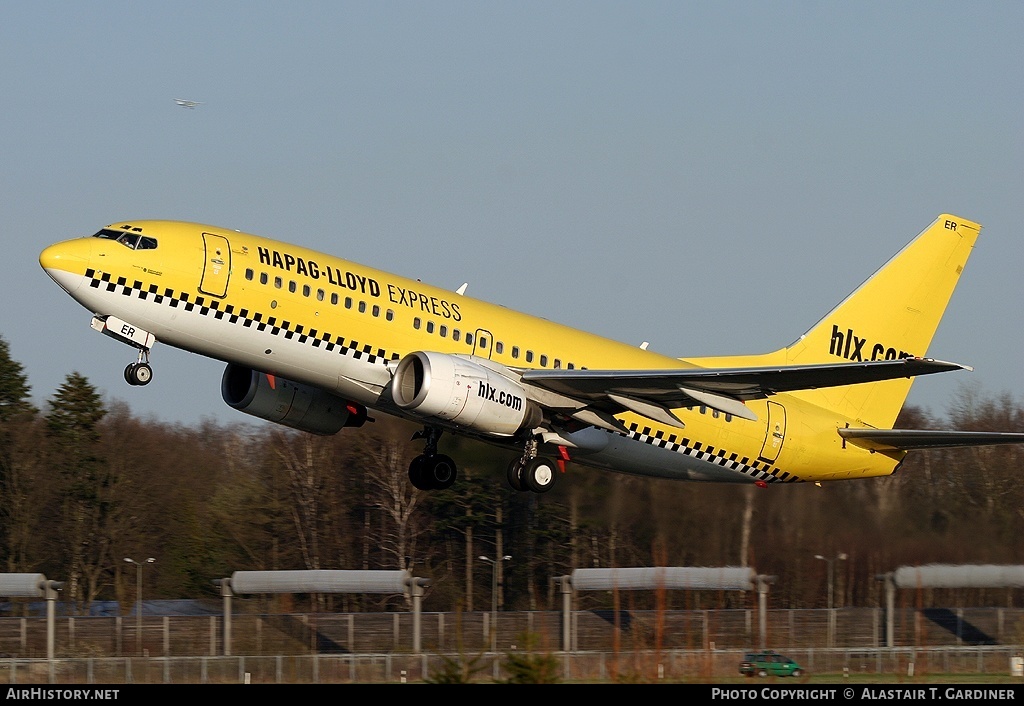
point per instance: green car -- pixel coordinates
(769, 663)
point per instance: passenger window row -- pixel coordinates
(499, 346)
(429, 326)
(320, 294)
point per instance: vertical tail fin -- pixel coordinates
(894, 313)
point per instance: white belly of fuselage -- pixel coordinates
(208, 329)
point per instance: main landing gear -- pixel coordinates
(531, 472)
(433, 471)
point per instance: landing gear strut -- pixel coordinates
(431, 470)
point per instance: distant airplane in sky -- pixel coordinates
(314, 342)
(187, 104)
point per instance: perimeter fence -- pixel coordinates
(605, 645)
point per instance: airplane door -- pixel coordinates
(217, 266)
(483, 343)
(775, 434)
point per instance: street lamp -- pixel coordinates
(138, 600)
(831, 614)
(494, 598)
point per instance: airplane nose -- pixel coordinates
(65, 263)
(67, 256)
(50, 258)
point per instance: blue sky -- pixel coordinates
(709, 177)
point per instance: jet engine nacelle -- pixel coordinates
(289, 403)
(461, 391)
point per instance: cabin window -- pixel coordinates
(570, 366)
(278, 282)
(263, 277)
(515, 351)
(443, 330)
(320, 295)
(306, 290)
(499, 347)
(291, 286)
(543, 361)
(469, 339)
(334, 298)
(529, 356)
(456, 334)
(389, 315)
(558, 363)
(375, 311)
(430, 327)
(416, 323)
(362, 307)
(348, 302)
(249, 274)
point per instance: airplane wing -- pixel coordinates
(910, 439)
(654, 393)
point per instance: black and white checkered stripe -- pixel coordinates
(243, 317)
(756, 468)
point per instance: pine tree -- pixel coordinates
(14, 388)
(19, 456)
(73, 428)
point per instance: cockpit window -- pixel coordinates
(134, 241)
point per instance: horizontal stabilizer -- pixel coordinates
(910, 439)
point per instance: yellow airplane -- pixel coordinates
(313, 342)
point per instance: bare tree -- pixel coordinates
(395, 497)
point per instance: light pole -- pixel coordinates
(138, 600)
(494, 598)
(841, 556)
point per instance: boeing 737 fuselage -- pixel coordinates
(313, 342)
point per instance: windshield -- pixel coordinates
(135, 241)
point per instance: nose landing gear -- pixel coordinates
(139, 372)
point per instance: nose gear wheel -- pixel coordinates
(140, 372)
